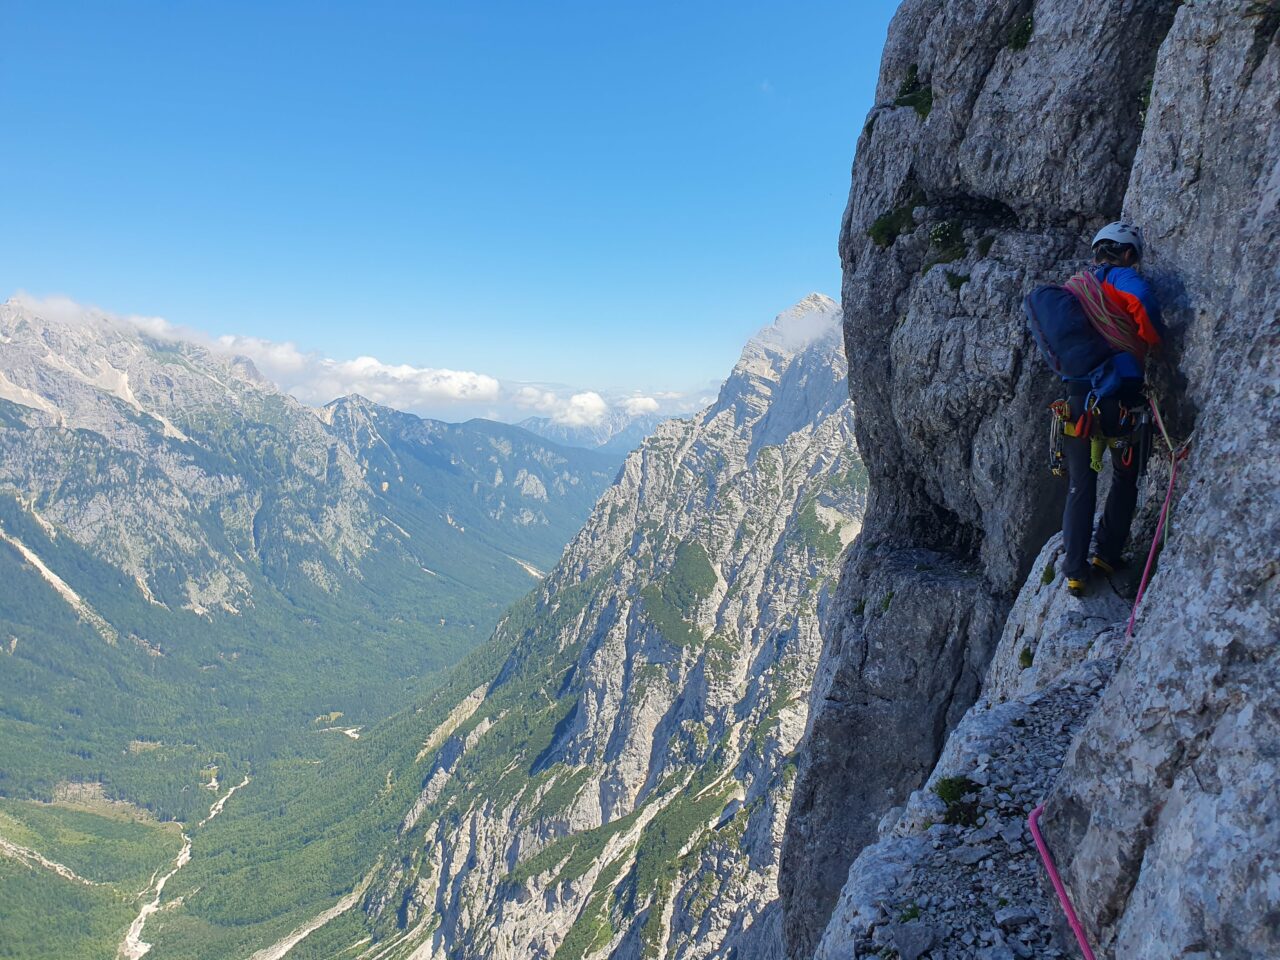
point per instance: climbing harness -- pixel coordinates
(1133, 442)
(1176, 455)
(1058, 887)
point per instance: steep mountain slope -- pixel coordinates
(907, 832)
(498, 494)
(199, 566)
(620, 782)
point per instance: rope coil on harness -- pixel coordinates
(1113, 324)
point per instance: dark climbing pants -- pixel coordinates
(1082, 496)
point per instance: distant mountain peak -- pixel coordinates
(812, 318)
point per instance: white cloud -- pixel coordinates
(59, 309)
(315, 379)
(535, 399)
(583, 410)
(636, 406)
(440, 392)
(280, 358)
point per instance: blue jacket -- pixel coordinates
(1127, 289)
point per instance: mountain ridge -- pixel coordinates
(162, 497)
(640, 703)
(654, 574)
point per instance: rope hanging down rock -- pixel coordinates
(1176, 454)
(1059, 888)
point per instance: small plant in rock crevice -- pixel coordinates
(901, 219)
(944, 234)
(889, 225)
(946, 242)
(915, 93)
(1144, 98)
(1020, 35)
(952, 792)
(1025, 658)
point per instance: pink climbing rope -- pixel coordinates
(1058, 887)
(1174, 456)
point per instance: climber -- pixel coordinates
(1104, 406)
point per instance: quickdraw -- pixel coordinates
(1057, 429)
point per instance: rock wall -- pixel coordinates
(1167, 811)
(1004, 135)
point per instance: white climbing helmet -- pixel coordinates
(1121, 231)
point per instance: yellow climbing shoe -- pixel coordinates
(1076, 587)
(1101, 566)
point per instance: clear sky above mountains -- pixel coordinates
(610, 196)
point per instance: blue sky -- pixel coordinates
(606, 195)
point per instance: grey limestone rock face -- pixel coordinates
(957, 859)
(1167, 811)
(979, 175)
(1164, 812)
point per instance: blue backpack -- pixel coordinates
(1074, 350)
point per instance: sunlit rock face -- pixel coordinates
(1004, 136)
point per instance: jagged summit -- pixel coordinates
(791, 372)
(812, 318)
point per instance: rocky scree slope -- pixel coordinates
(1005, 134)
(179, 534)
(620, 787)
